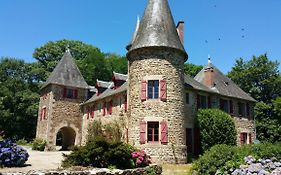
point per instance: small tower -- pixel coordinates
(59, 116)
(156, 86)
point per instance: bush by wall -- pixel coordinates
(12, 155)
(102, 153)
(225, 157)
(216, 127)
(38, 144)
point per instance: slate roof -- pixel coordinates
(108, 92)
(157, 28)
(104, 84)
(223, 85)
(67, 73)
(188, 80)
(119, 76)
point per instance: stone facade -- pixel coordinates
(62, 114)
(158, 64)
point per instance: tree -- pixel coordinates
(18, 99)
(259, 77)
(216, 127)
(192, 69)
(92, 63)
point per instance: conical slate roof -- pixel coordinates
(157, 28)
(67, 73)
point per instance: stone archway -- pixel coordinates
(65, 138)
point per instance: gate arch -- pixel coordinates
(65, 138)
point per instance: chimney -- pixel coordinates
(209, 74)
(180, 30)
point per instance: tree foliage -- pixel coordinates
(192, 69)
(18, 99)
(216, 127)
(92, 63)
(261, 78)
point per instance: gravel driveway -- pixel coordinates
(39, 161)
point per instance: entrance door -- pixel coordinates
(189, 140)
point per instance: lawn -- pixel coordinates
(182, 169)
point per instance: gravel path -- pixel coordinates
(39, 161)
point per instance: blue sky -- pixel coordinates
(224, 29)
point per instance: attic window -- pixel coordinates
(226, 83)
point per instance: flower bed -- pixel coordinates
(12, 155)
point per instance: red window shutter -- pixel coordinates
(241, 139)
(164, 132)
(127, 135)
(142, 132)
(75, 93)
(110, 107)
(250, 138)
(143, 90)
(209, 102)
(125, 103)
(222, 104)
(163, 90)
(198, 101)
(93, 112)
(45, 113)
(103, 109)
(64, 92)
(88, 112)
(231, 107)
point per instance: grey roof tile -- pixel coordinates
(223, 85)
(157, 28)
(67, 73)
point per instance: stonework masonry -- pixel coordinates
(167, 63)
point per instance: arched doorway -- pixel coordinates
(65, 139)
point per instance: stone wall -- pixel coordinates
(118, 113)
(167, 64)
(153, 169)
(61, 113)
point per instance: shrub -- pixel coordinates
(225, 157)
(22, 142)
(12, 155)
(101, 153)
(111, 131)
(39, 144)
(216, 127)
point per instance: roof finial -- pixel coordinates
(209, 59)
(67, 49)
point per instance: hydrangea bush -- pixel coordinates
(141, 159)
(12, 155)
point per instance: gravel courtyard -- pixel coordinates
(39, 161)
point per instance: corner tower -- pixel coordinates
(59, 117)
(156, 85)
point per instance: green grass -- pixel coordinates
(181, 169)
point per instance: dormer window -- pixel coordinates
(70, 93)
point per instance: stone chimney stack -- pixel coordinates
(180, 30)
(209, 74)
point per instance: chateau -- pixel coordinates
(156, 100)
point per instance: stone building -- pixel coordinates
(156, 101)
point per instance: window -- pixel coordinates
(248, 110)
(43, 113)
(153, 89)
(70, 93)
(187, 98)
(153, 131)
(224, 105)
(241, 109)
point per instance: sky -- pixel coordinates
(224, 29)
